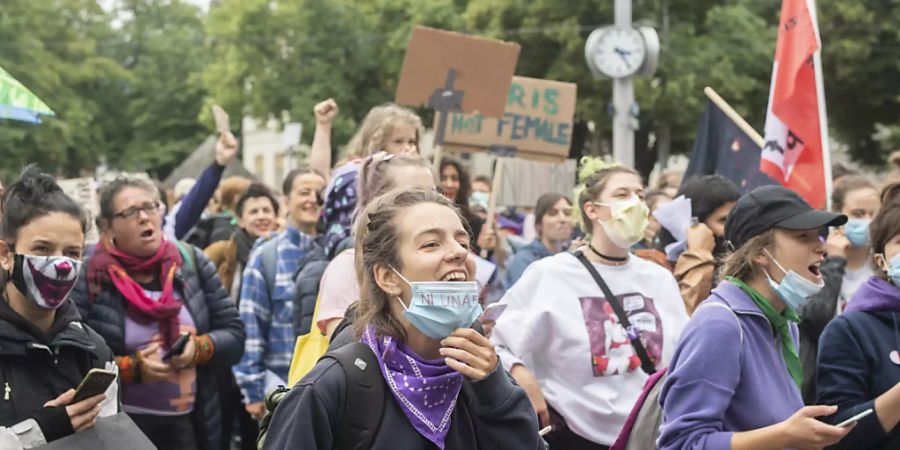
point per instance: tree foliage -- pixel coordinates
(55, 49)
(162, 47)
(279, 58)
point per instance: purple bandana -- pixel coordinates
(425, 389)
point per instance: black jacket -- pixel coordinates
(36, 367)
(214, 314)
(212, 229)
(495, 414)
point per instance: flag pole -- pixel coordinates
(823, 114)
(734, 116)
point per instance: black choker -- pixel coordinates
(608, 258)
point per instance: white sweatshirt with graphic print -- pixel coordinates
(559, 325)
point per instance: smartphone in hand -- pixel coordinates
(493, 311)
(855, 418)
(94, 383)
(178, 347)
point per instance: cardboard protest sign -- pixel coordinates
(484, 69)
(84, 192)
(538, 121)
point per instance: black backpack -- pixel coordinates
(211, 229)
(364, 400)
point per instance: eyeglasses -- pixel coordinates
(151, 209)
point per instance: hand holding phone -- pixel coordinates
(82, 415)
(178, 347)
(493, 311)
(94, 383)
(855, 418)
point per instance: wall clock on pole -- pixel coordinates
(618, 52)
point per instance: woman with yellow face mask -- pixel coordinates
(582, 330)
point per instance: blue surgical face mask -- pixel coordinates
(438, 308)
(893, 270)
(857, 232)
(794, 289)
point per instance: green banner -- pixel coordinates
(16, 100)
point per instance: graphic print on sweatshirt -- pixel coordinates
(611, 351)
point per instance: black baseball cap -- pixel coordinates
(774, 206)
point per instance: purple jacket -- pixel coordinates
(724, 379)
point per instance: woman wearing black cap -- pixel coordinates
(734, 380)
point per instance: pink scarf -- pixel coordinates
(111, 263)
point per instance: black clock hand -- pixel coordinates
(621, 54)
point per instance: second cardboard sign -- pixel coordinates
(538, 119)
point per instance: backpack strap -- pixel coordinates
(187, 254)
(634, 335)
(365, 397)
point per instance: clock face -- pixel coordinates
(619, 52)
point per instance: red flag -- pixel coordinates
(795, 153)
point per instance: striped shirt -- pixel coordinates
(268, 313)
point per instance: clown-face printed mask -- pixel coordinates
(45, 280)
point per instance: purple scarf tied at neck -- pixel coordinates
(425, 389)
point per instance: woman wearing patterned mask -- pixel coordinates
(846, 267)
(563, 335)
(45, 349)
(444, 387)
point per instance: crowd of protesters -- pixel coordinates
(375, 303)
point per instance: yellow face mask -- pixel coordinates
(628, 221)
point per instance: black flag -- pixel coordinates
(722, 148)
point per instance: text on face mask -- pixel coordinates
(448, 300)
